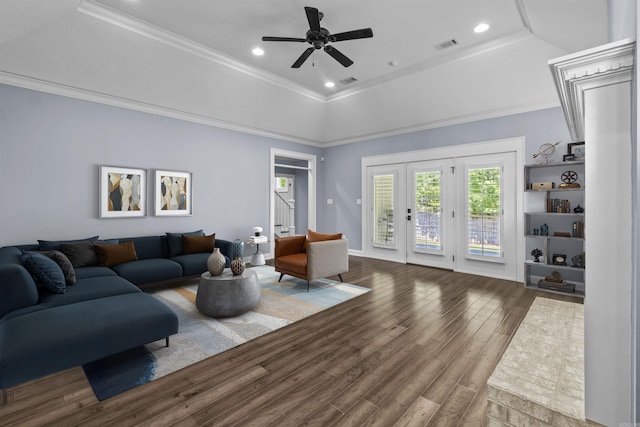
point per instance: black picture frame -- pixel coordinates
(559, 259)
(577, 149)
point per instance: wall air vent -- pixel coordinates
(348, 80)
(445, 44)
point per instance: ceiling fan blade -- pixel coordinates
(282, 39)
(302, 58)
(351, 35)
(313, 16)
(337, 55)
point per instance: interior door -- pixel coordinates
(429, 214)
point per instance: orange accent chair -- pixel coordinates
(313, 256)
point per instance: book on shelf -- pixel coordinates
(558, 206)
(578, 229)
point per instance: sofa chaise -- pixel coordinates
(47, 326)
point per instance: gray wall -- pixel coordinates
(340, 172)
(51, 148)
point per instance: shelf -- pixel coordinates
(553, 190)
(578, 293)
(554, 214)
(554, 266)
(554, 237)
(550, 165)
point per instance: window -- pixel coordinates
(428, 228)
(484, 211)
(383, 205)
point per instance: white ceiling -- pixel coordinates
(192, 59)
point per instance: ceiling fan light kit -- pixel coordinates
(320, 38)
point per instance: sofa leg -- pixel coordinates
(308, 285)
(166, 342)
(281, 274)
(340, 277)
(3, 397)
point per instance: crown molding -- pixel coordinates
(450, 121)
(115, 17)
(117, 101)
(574, 74)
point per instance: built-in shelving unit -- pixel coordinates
(564, 220)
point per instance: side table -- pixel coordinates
(228, 295)
(258, 257)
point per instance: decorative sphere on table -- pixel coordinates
(216, 262)
(237, 266)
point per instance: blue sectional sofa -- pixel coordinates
(46, 327)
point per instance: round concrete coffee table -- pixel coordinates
(227, 295)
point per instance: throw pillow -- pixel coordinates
(198, 244)
(81, 254)
(65, 265)
(174, 241)
(312, 236)
(54, 245)
(44, 271)
(110, 255)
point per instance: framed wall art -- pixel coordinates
(172, 193)
(123, 192)
(576, 149)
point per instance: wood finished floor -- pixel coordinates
(417, 350)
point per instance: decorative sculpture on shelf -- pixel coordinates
(546, 150)
(536, 253)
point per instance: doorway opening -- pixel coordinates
(292, 193)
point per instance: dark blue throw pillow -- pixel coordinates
(174, 241)
(54, 245)
(45, 271)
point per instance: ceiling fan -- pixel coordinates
(319, 38)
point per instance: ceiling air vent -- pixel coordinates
(348, 80)
(445, 44)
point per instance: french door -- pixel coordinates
(454, 213)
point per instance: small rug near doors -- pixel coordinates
(200, 336)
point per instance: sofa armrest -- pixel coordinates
(289, 245)
(327, 258)
(226, 247)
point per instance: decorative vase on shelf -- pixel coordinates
(238, 248)
(216, 262)
(544, 230)
(237, 266)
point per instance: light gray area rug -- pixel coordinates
(200, 336)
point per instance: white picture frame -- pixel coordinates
(122, 192)
(172, 193)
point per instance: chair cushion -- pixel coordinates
(312, 236)
(110, 255)
(296, 263)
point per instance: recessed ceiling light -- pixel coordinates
(393, 63)
(481, 28)
(257, 51)
(329, 84)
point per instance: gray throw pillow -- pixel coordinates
(81, 254)
(66, 266)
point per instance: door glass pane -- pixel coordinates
(383, 205)
(428, 230)
(484, 211)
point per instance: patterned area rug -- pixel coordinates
(200, 336)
